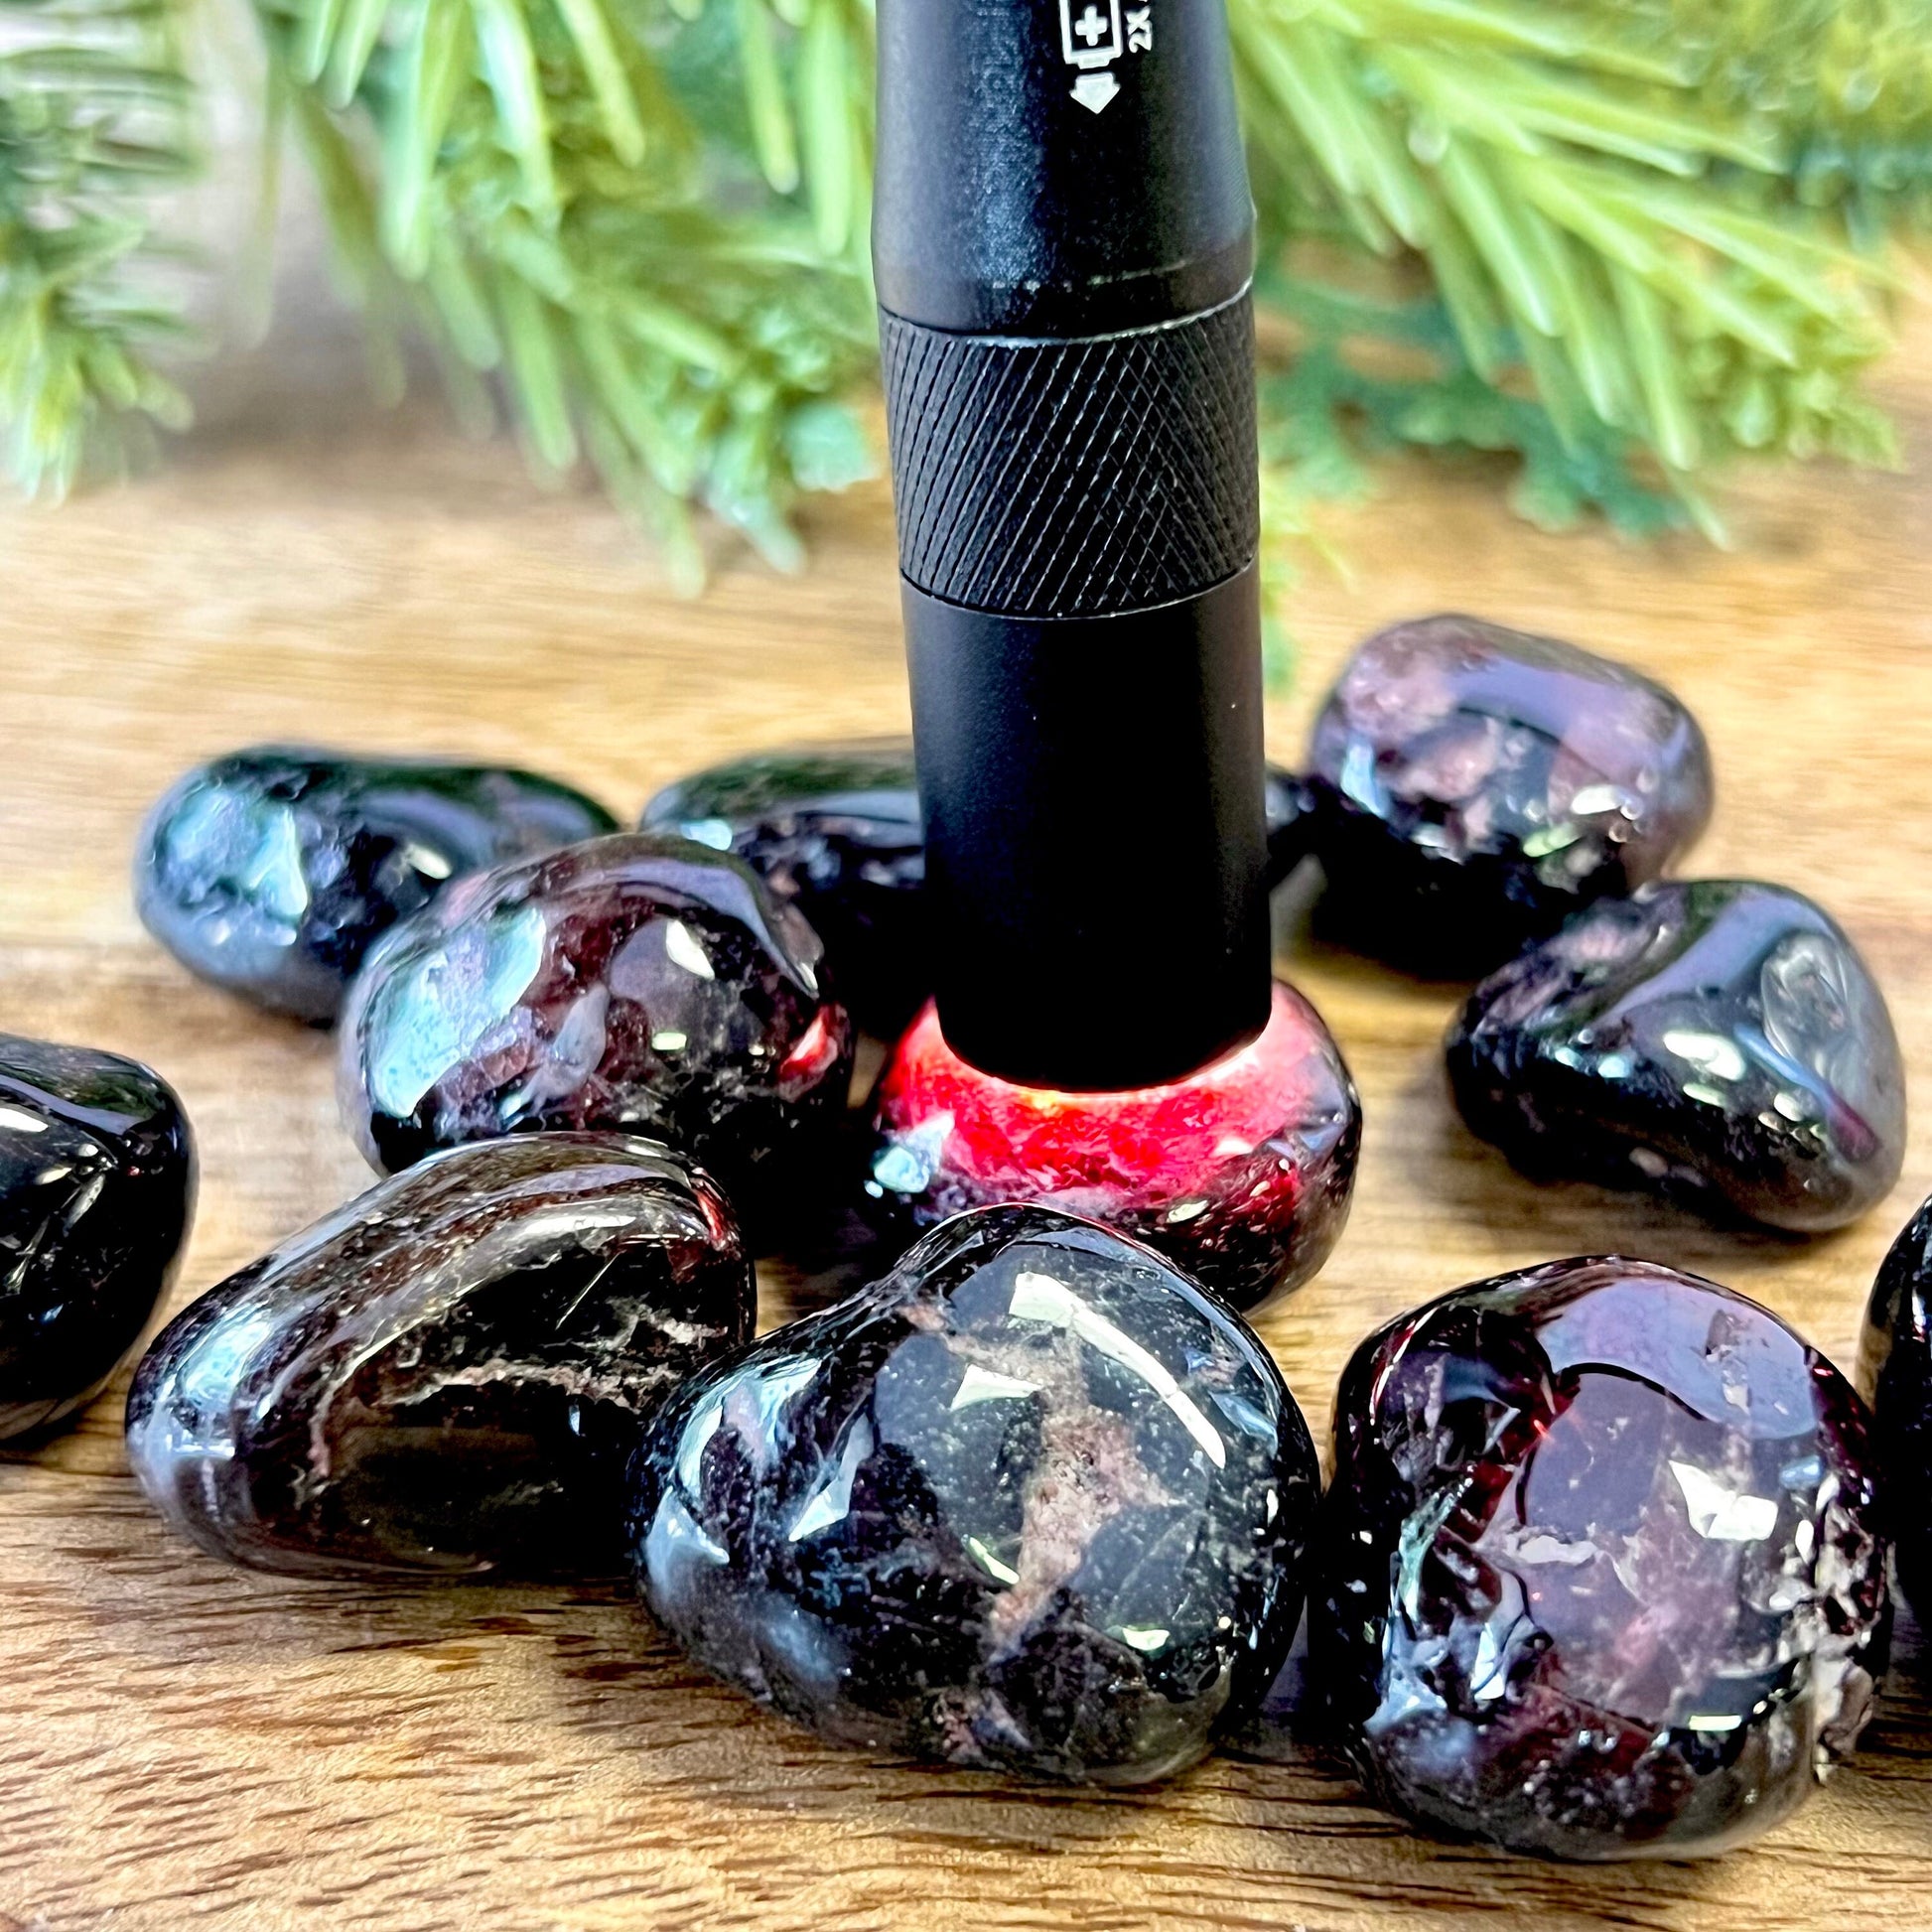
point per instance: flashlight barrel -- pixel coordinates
(1057, 168)
(1062, 245)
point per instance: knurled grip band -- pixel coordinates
(1075, 478)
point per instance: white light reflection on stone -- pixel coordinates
(1719, 1514)
(1039, 1297)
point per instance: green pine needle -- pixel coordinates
(1630, 239)
(93, 126)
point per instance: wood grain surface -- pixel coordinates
(185, 1746)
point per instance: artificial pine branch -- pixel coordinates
(1847, 84)
(1627, 239)
(93, 126)
(1570, 191)
(557, 192)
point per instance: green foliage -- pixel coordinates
(1847, 84)
(1597, 232)
(1328, 408)
(1627, 240)
(565, 197)
(93, 106)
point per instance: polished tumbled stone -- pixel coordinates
(272, 872)
(1241, 1173)
(1032, 1502)
(1717, 1043)
(1895, 1373)
(638, 983)
(448, 1376)
(1475, 785)
(96, 1191)
(837, 829)
(1600, 1570)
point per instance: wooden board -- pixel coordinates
(183, 1745)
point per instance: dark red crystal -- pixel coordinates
(1599, 1569)
(1032, 1502)
(1475, 785)
(448, 1376)
(1240, 1174)
(637, 984)
(1716, 1041)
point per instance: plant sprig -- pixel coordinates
(1629, 240)
(95, 125)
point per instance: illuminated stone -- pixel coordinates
(1240, 1174)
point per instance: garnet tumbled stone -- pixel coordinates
(96, 1189)
(1031, 1502)
(837, 829)
(1599, 1577)
(1475, 785)
(1895, 1371)
(1718, 1042)
(272, 872)
(447, 1376)
(643, 983)
(1241, 1173)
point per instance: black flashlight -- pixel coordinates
(1062, 240)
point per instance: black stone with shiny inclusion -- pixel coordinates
(836, 829)
(96, 1191)
(1718, 1042)
(273, 872)
(1602, 1571)
(1033, 1501)
(1895, 1373)
(445, 1377)
(1474, 786)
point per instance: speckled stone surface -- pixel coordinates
(1718, 1042)
(1475, 785)
(1600, 1572)
(640, 983)
(1895, 1375)
(1241, 1175)
(1031, 1502)
(272, 872)
(96, 1192)
(445, 1377)
(836, 829)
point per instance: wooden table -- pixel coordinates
(187, 1746)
